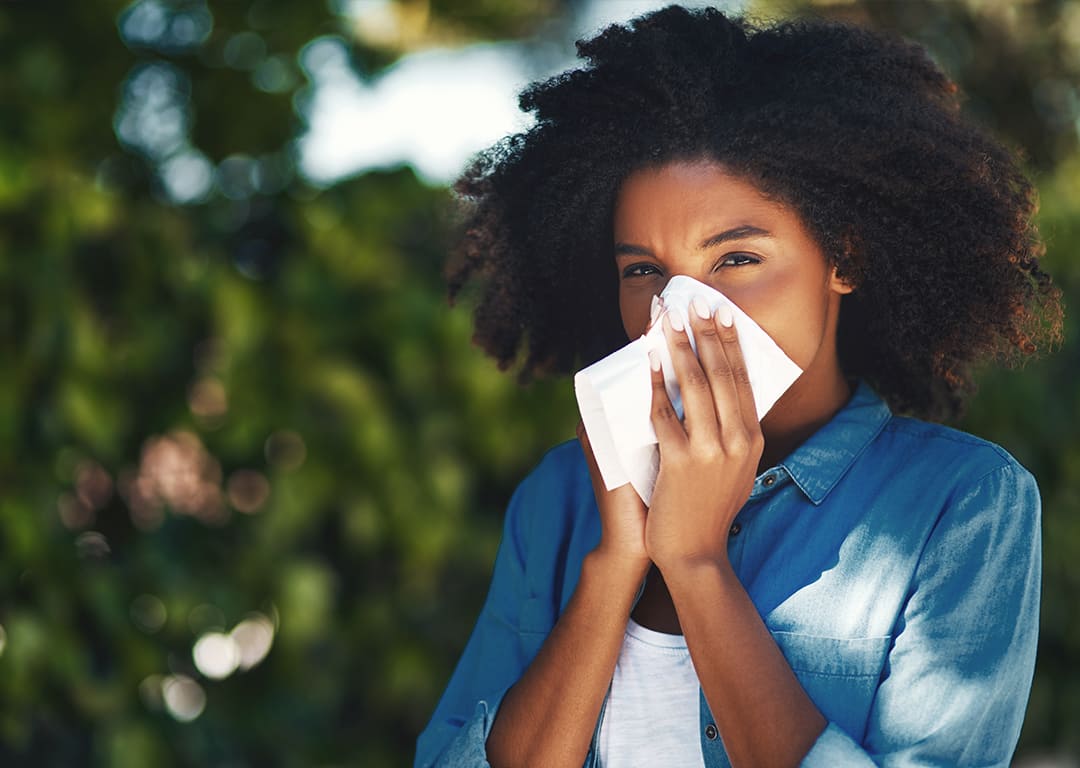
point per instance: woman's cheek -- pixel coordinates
(797, 329)
(791, 315)
(635, 314)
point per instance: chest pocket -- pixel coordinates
(840, 675)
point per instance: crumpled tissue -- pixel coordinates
(615, 394)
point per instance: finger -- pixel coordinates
(739, 374)
(718, 368)
(669, 432)
(715, 364)
(699, 413)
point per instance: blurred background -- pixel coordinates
(252, 471)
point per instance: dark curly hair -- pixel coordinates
(857, 131)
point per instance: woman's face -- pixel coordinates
(696, 219)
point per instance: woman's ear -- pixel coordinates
(839, 284)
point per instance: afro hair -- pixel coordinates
(859, 132)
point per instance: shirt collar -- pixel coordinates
(817, 465)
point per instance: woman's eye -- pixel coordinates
(738, 260)
(641, 270)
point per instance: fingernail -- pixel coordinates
(675, 318)
(701, 307)
(654, 359)
(654, 310)
(725, 316)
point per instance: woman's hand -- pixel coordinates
(708, 461)
(622, 515)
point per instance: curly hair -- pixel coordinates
(858, 132)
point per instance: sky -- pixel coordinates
(432, 109)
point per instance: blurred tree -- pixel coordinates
(252, 472)
(245, 513)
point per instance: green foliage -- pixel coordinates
(258, 411)
(260, 405)
(1034, 413)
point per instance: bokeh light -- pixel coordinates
(188, 176)
(208, 400)
(153, 116)
(215, 655)
(93, 485)
(92, 545)
(285, 450)
(176, 472)
(184, 698)
(149, 613)
(165, 26)
(247, 490)
(73, 513)
(253, 638)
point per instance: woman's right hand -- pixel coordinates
(622, 515)
(622, 512)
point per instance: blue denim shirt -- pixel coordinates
(896, 563)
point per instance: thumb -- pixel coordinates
(624, 492)
(590, 459)
(586, 448)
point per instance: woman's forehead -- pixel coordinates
(679, 193)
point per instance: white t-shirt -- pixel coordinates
(653, 709)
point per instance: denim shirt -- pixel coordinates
(895, 562)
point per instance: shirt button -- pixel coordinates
(710, 732)
(735, 528)
(769, 480)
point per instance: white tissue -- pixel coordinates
(615, 394)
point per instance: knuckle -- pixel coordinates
(663, 411)
(741, 374)
(738, 444)
(707, 330)
(708, 452)
(720, 369)
(695, 378)
(682, 343)
(676, 457)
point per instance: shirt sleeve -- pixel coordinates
(957, 679)
(494, 658)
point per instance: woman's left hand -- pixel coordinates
(709, 460)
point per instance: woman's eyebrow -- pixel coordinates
(735, 233)
(625, 249)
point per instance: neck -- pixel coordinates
(804, 409)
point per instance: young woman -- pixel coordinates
(843, 583)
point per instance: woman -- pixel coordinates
(843, 583)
